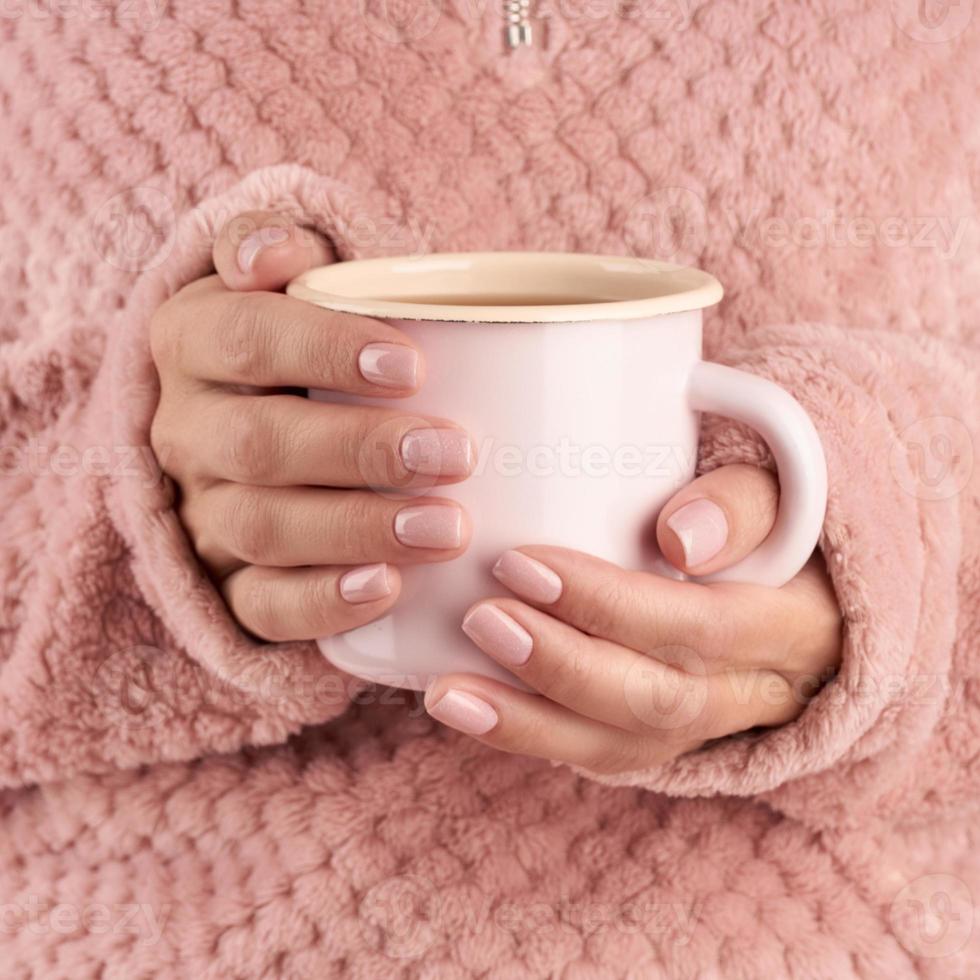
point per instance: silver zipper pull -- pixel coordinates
(518, 21)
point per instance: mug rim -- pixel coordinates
(637, 288)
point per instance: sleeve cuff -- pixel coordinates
(892, 552)
(271, 692)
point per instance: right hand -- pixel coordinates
(274, 488)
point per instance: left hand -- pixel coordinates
(631, 669)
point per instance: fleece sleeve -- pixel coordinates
(898, 416)
(116, 650)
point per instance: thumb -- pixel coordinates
(265, 250)
(718, 519)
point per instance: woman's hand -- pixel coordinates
(631, 669)
(273, 487)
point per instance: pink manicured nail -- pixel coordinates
(498, 634)
(389, 365)
(253, 243)
(464, 712)
(527, 577)
(366, 583)
(429, 526)
(702, 530)
(437, 452)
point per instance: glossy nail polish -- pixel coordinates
(498, 634)
(528, 577)
(463, 711)
(437, 452)
(702, 530)
(389, 365)
(429, 526)
(253, 243)
(365, 584)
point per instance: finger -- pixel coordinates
(265, 340)
(265, 250)
(725, 624)
(277, 527)
(678, 702)
(718, 519)
(282, 440)
(814, 646)
(528, 724)
(309, 603)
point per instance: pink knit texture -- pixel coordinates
(180, 801)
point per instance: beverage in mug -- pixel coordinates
(581, 381)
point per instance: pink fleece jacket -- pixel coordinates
(180, 801)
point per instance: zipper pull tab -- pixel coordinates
(517, 17)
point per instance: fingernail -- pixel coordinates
(437, 452)
(527, 577)
(702, 530)
(253, 243)
(429, 526)
(464, 712)
(496, 633)
(366, 583)
(389, 365)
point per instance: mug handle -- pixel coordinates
(784, 425)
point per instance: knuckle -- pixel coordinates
(767, 485)
(252, 446)
(609, 604)
(164, 334)
(173, 322)
(761, 505)
(350, 449)
(752, 495)
(239, 343)
(712, 632)
(251, 527)
(331, 352)
(571, 673)
(357, 525)
(259, 609)
(316, 598)
(163, 441)
(196, 513)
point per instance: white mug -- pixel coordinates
(580, 379)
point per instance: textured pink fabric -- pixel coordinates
(173, 802)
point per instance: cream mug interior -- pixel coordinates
(580, 379)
